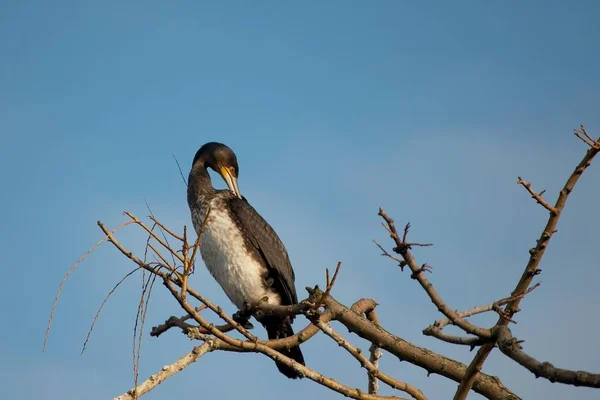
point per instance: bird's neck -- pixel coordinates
(199, 185)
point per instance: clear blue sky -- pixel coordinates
(334, 108)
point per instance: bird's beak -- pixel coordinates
(231, 180)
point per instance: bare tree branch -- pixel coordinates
(431, 361)
(87, 338)
(471, 341)
(532, 267)
(536, 196)
(375, 352)
(320, 308)
(434, 363)
(167, 372)
(66, 277)
(435, 329)
(329, 284)
(311, 374)
(512, 348)
(164, 228)
(174, 280)
(151, 233)
(364, 362)
(403, 248)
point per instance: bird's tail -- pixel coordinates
(279, 328)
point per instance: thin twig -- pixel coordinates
(188, 264)
(164, 260)
(180, 171)
(401, 263)
(135, 352)
(582, 134)
(439, 325)
(87, 338)
(143, 322)
(329, 283)
(69, 272)
(536, 196)
(160, 225)
(174, 280)
(164, 228)
(150, 232)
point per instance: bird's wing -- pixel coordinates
(266, 241)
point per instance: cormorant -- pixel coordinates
(240, 249)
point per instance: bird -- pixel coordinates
(239, 248)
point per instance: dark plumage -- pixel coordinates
(239, 248)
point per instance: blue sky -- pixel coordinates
(334, 109)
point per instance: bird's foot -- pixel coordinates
(242, 317)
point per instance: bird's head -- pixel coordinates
(222, 160)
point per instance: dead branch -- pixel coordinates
(167, 372)
(364, 362)
(510, 346)
(170, 267)
(174, 322)
(401, 263)
(315, 376)
(320, 308)
(329, 283)
(164, 228)
(582, 134)
(373, 381)
(87, 338)
(228, 343)
(532, 267)
(403, 248)
(375, 352)
(142, 311)
(173, 280)
(180, 171)
(488, 386)
(179, 322)
(151, 233)
(536, 196)
(471, 341)
(436, 328)
(264, 309)
(66, 277)
(431, 361)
